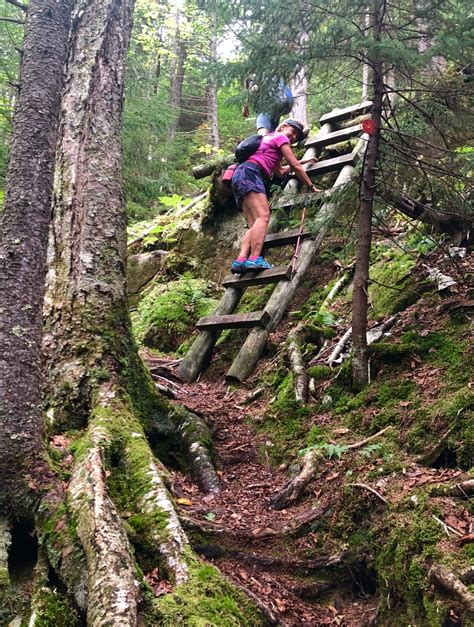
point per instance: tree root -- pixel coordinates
(163, 529)
(428, 457)
(112, 588)
(296, 337)
(196, 440)
(464, 489)
(447, 581)
(294, 488)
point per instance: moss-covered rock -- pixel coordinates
(166, 315)
(391, 287)
(207, 600)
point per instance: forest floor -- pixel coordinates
(302, 578)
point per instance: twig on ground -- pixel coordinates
(367, 487)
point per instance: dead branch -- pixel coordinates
(339, 347)
(18, 5)
(369, 489)
(463, 489)
(267, 611)
(356, 445)
(294, 488)
(190, 205)
(443, 578)
(447, 528)
(12, 20)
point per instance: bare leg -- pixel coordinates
(257, 212)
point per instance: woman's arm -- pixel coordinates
(296, 166)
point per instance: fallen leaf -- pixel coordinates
(184, 502)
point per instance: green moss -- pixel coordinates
(285, 422)
(391, 286)
(4, 577)
(206, 599)
(402, 565)
(166, 315)
(319, 373)
(54, 609)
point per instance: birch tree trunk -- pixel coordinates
(360, 365)
(23, 242)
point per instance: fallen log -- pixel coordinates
(206, 169)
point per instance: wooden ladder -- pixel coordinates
(262, 323)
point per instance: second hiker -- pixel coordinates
(248, 187)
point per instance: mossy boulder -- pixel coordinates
(391, 286)
(167, 313)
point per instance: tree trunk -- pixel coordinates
(96, 378)
(177, 76)
(23, 235)
(360, 364)
(299, 87)
(212, 86)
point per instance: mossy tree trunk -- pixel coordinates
(360, 361)
(97, 383)
(24, 226)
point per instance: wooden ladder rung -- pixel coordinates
(235, 321)
(331, 165)
(343, 114)
(279, 273)
(333, 138)
(284, 238)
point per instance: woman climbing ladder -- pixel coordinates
(248, 186)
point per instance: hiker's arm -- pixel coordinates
(282, 170)
(296, 166)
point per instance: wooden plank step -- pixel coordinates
(284, 238)
(333, 138)
(331, 165)
(235, 321)
(279, 273)
(343, 114)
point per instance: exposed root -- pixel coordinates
(294, 488)
(196, 440)
(464, 489)
(443, 578)
(428, 457)
(298, 366)
(152, 500)
(112, 588)
(270, 615)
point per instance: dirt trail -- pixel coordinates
(280, 569)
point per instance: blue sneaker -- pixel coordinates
(256, 265)
(237, 267)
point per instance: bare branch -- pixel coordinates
(18, 4)
(12, 20)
